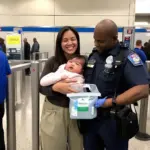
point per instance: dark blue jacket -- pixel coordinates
(4, 71)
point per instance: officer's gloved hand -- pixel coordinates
(100, 102)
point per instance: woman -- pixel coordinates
(56, 127)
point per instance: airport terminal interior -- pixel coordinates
(42, 19)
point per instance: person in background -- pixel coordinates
(26, 54)
(2, 45)
(139, 51)
(57, 129)
(4, 72)
(146, 50)
(145, 44)
(35, 48)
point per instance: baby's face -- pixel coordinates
(75, 65)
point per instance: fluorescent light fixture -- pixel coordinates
(141, 23)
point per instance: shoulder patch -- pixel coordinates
(135, 59)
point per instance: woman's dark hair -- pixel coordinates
(59, 53)
(1, 40)
(83, 57)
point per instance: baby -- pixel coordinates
(73, 69)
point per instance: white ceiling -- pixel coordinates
(142, 6)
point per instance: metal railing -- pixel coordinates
(35, 104)
(11, 124)
(16, 62)
(39, 55)
(19, 101)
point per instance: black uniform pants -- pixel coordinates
(2, 144)
(101, 133)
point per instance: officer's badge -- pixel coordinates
(109, 62)
(109, 59)
(135, 59)
(91, 63)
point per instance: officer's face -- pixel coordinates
(102, 41)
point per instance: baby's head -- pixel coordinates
(76, 64)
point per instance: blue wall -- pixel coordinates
(56, 29)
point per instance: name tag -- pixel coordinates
(91, 63)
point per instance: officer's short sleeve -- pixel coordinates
(135, 72)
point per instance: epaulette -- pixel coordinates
(93, 51)
(123, 47)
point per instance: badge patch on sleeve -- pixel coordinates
(135, 59)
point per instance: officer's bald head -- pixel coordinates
(108, 26)
(105, 34)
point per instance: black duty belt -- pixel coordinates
(107, 112)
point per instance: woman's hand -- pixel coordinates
(64, 86)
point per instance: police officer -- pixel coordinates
(102, 69)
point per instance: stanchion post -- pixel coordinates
(11, 122)
(142, 135)
(45, 57)
(45, 54)
(34, 56)
(16, 87)
(35, 104)
(22, 85)
(143, 115)
(40, 64)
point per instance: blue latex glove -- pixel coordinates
(100, 102)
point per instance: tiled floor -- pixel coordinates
(24, 129)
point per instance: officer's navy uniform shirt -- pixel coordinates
(132, 74)
(4, 71)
